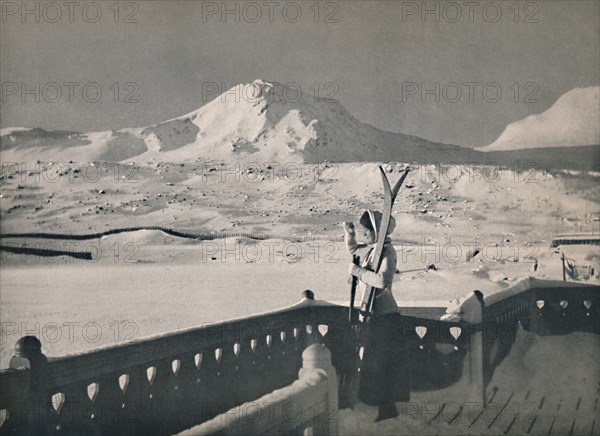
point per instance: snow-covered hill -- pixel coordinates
(574, 120)
(258, 121)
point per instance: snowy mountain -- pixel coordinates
(255, 121)
(261, 122)
(574, 120)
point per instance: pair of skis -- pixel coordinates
(389, 196)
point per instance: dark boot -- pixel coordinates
(387, 411)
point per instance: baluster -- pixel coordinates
(455, 332)
(160, 396)
(210, 395)
(184, 390)
(245, 370)
(74, 416)
(105, 404)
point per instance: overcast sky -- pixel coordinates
(378, 54)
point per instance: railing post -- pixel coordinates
(317, 356)
(28, 356)
(308, 295)
(474, 314)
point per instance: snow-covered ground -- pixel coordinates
(458, 228)
(546, 385)
(145, 283)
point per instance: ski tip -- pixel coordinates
(384, 180)
(406, 170)
(399, 182)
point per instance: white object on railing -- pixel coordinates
(467, 310)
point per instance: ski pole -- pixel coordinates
(356, 261)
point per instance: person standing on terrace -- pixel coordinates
(384, 374)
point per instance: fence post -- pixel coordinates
(28, 356)
(308, 295)
(317, 356)
(475, 360)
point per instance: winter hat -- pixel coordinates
(371, 219)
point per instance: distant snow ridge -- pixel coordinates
(572, 121)
(258, 121)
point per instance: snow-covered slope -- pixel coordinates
(574, 120)
(259, 121)
(29, 145)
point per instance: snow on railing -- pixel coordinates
(165, 384)
(169, 383)
(541, 307)
(310, 403)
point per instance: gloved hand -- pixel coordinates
(349, 228)
(355, 270)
